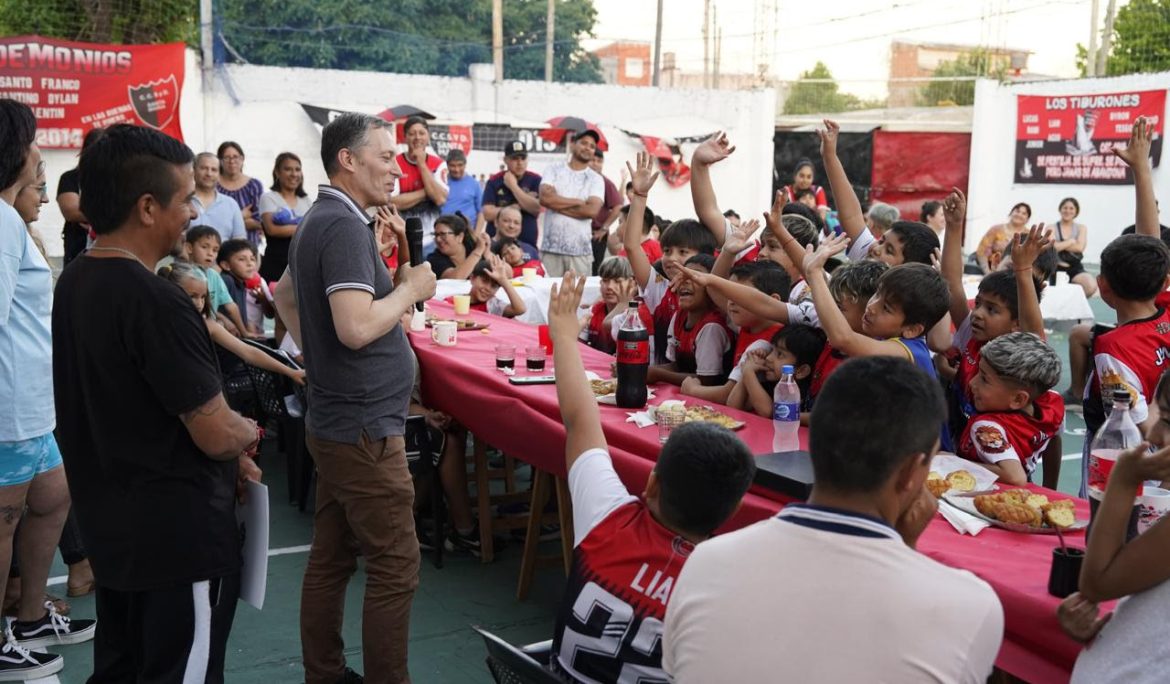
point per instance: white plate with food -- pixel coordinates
(1019, 510)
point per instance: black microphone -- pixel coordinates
(414, 242)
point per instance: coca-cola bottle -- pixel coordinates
(633, 360)
(1116, 436)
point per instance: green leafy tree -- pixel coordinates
(816, 92)
(102, 21)
(1141, 40)
(974, 64)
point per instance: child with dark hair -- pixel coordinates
(682, 240)
(510, 250)
(617, 238)
(1017, 413)
(1006, 302)
(238, 263)
(600, 326)
(806, 197)
(852, 286)
(750, 330)
(906, 242)
(201, 245)
(699, 343)
(795, 345)
(628, 550)
(487, 278)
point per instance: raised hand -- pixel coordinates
(696, 277)
(1029, 246)
(829, 138)
(773, 215)
(644, 175)
(1138, 150)
(483, 243)
(501, 272)
(830, 247)
(627, 291)
(562, 306)
(736, 240)
(713, 150)
(955, 207)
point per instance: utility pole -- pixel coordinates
(718, 54)
(207, 47)
(548, 44)
(1091, 61)
(1106, 39)
(706, 43)
(498, 39)
(657, 47)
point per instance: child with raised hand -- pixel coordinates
(489, 275)
(699, 343)
(194, 283)
(510, 250)
(619, 540)
(1017, 413)
(767, 278)
(795, 345)
(617, 239)
(852, 286)
(201, 246)
(909, 300)
(599, 327)
(680, 241)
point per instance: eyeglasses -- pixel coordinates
(444, 234)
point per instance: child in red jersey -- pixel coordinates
(616, 240)
(513, 254)
(1017, 413)
(794, 345)
(599, 326)
(699, 343)
(628, 551)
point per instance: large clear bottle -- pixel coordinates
(786, 413)
(1118, 434)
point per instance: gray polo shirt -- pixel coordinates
(350, 391)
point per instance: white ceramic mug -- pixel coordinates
(443, 333)
(1152, 505)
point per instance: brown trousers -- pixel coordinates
(365, 499)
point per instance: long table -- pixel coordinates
(525, 422)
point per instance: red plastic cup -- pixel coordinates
(545, 339)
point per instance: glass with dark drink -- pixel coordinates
(536, 357)
(505, 356)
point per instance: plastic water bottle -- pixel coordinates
(1117, 435)
(786, 413)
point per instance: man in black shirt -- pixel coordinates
(152, 452)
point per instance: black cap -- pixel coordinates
(456, 155)
(515, 148)
(590, 132)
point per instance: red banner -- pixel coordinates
(1070, 138)
(73, 87)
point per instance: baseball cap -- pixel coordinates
(589, 132)
(456, 155)
(515, 148)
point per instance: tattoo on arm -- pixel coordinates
(209, 409)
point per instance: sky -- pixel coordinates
(852, 37)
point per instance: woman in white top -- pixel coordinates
(281, 211)
(1131, 648)
(1071, 238)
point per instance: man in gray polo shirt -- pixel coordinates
(341, 306)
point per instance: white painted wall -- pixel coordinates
(1105, 209)
(267, 120)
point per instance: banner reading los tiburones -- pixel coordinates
(73, 87)
(1070, 138)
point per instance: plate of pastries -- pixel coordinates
(1019, 510)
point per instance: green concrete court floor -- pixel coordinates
(265, 645)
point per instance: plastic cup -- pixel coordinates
(544, 339)
(529, 275)
(535, 359)
(462, 304)
(1064, 578)
(1152, 505)
(505, 356)
(669, 418)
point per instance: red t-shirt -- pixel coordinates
(995, 437)
(746, 338)
(411, 179)
(1130, 357)
(518, 271)
(827, 362)
(651, 247)
(685, 339)
(600, 336)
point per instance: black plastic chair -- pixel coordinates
(423, 449)
(518, 665)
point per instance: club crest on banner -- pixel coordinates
(155, 103)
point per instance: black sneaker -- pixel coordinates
(18, 664)
(351, 677)
(467, 543)
(52, 630)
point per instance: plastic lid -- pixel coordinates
(1121, 395)
(788, 370)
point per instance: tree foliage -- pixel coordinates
(102, 21)
(1141, 40)
(440, 37)
(816, 92)
(974, 64)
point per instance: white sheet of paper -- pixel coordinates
(253, 516)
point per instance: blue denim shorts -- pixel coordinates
(21, 461)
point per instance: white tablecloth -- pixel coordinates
(1058, 303)
(535, 296)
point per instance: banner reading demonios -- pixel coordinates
(73, 87)
(1070, 138)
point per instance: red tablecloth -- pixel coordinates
(525, 422)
